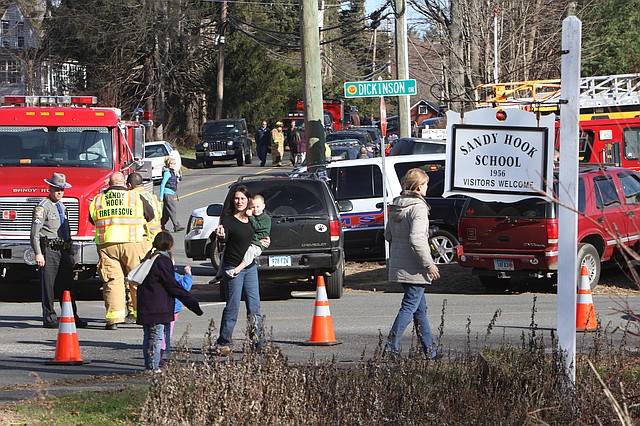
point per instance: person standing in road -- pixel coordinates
(119, 217)
(236, 232)
(277, 146)
(51, 242)
(151, 229)
(293, 137)
(301, 146)
(410, 263)
(168, 197)
(263, 140)
(157, 294)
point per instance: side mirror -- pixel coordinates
(137, 144)
(214, 209)
(345, 206)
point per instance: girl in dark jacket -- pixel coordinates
(156, 300)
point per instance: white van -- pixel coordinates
(360, 181)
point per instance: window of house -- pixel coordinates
(6, 37)
(422, 109)
(9, 71)
(20, 35)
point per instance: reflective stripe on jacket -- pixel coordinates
(118, 216)
(154, 226)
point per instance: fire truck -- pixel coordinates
(609, 113)
(61, 134)
(342, 116)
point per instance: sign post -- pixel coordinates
(383, 147)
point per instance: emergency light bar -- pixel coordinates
(40, 101)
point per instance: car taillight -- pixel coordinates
(334, 230)
(552, 233)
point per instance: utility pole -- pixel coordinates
(312, 84)
(402, 66)
(221, 41)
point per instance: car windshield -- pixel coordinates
(155, 151)
(217, 127)
(60, 146)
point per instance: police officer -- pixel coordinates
(151, 229)
(277, 145)
(119, 217)
(51, 242)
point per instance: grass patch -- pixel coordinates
(114, 407)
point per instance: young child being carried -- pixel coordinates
(261, 223)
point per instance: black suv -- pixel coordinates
(411, 146)
(306, 234)
(222, 140)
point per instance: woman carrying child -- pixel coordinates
(156, 300)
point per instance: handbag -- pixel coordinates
(140, 272)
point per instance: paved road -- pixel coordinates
(359, 318)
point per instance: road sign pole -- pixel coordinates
(383, 146)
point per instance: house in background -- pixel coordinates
(422, 110)
(22, 70)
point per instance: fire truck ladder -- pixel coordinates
(613, 91)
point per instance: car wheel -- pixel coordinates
(588, 256)
(215, 254)
(240, 158)
(248, 158)
(443, 247)
(493, 282)
(335, 282)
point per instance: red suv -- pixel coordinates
(501, 240)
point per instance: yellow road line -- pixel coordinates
(220, 185)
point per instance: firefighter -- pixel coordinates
(51, 242)
(151, 228)
(119, 217)
(277, 145)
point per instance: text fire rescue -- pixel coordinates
(491, 140)
(114, 202)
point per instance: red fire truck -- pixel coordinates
(66, 134)
(342, 116)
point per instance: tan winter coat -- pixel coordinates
(408, 234)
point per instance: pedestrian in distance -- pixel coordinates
(263, 141)
(151, 229)
(301, 146)
(119, 217)
(51, 242)
(156, 301)
(236, 232)
(410, 263)
(277, 145)
(186, 281)
(169, 196)
(293, 136)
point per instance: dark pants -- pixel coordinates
(169, 211)
(55, 277)
(262, 151)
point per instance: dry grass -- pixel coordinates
(521, 384)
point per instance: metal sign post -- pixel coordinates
(383, 146)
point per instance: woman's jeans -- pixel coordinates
(246, 282)
(151, 344)
(414, 306)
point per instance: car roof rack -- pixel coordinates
(282, 175)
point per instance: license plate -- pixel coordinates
(218, 153)
(279, 260)
(503, 265)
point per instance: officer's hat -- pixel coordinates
(58, 180)
(278, 123)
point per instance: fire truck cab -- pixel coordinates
(66, 134)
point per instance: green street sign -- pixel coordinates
(368, 89)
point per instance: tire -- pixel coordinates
(240, 158)
(214, 254)
(335, 282)
(493, 282)
(443, 247)
(248, 157)
(588, 256)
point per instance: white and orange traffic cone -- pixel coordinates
(585, 311)
(67, 346)
(322, 326)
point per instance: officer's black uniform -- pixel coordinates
(50, 236)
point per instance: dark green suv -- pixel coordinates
(223, 140)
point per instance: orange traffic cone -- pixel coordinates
(322, 326)
(67, 346)
(585, 311)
